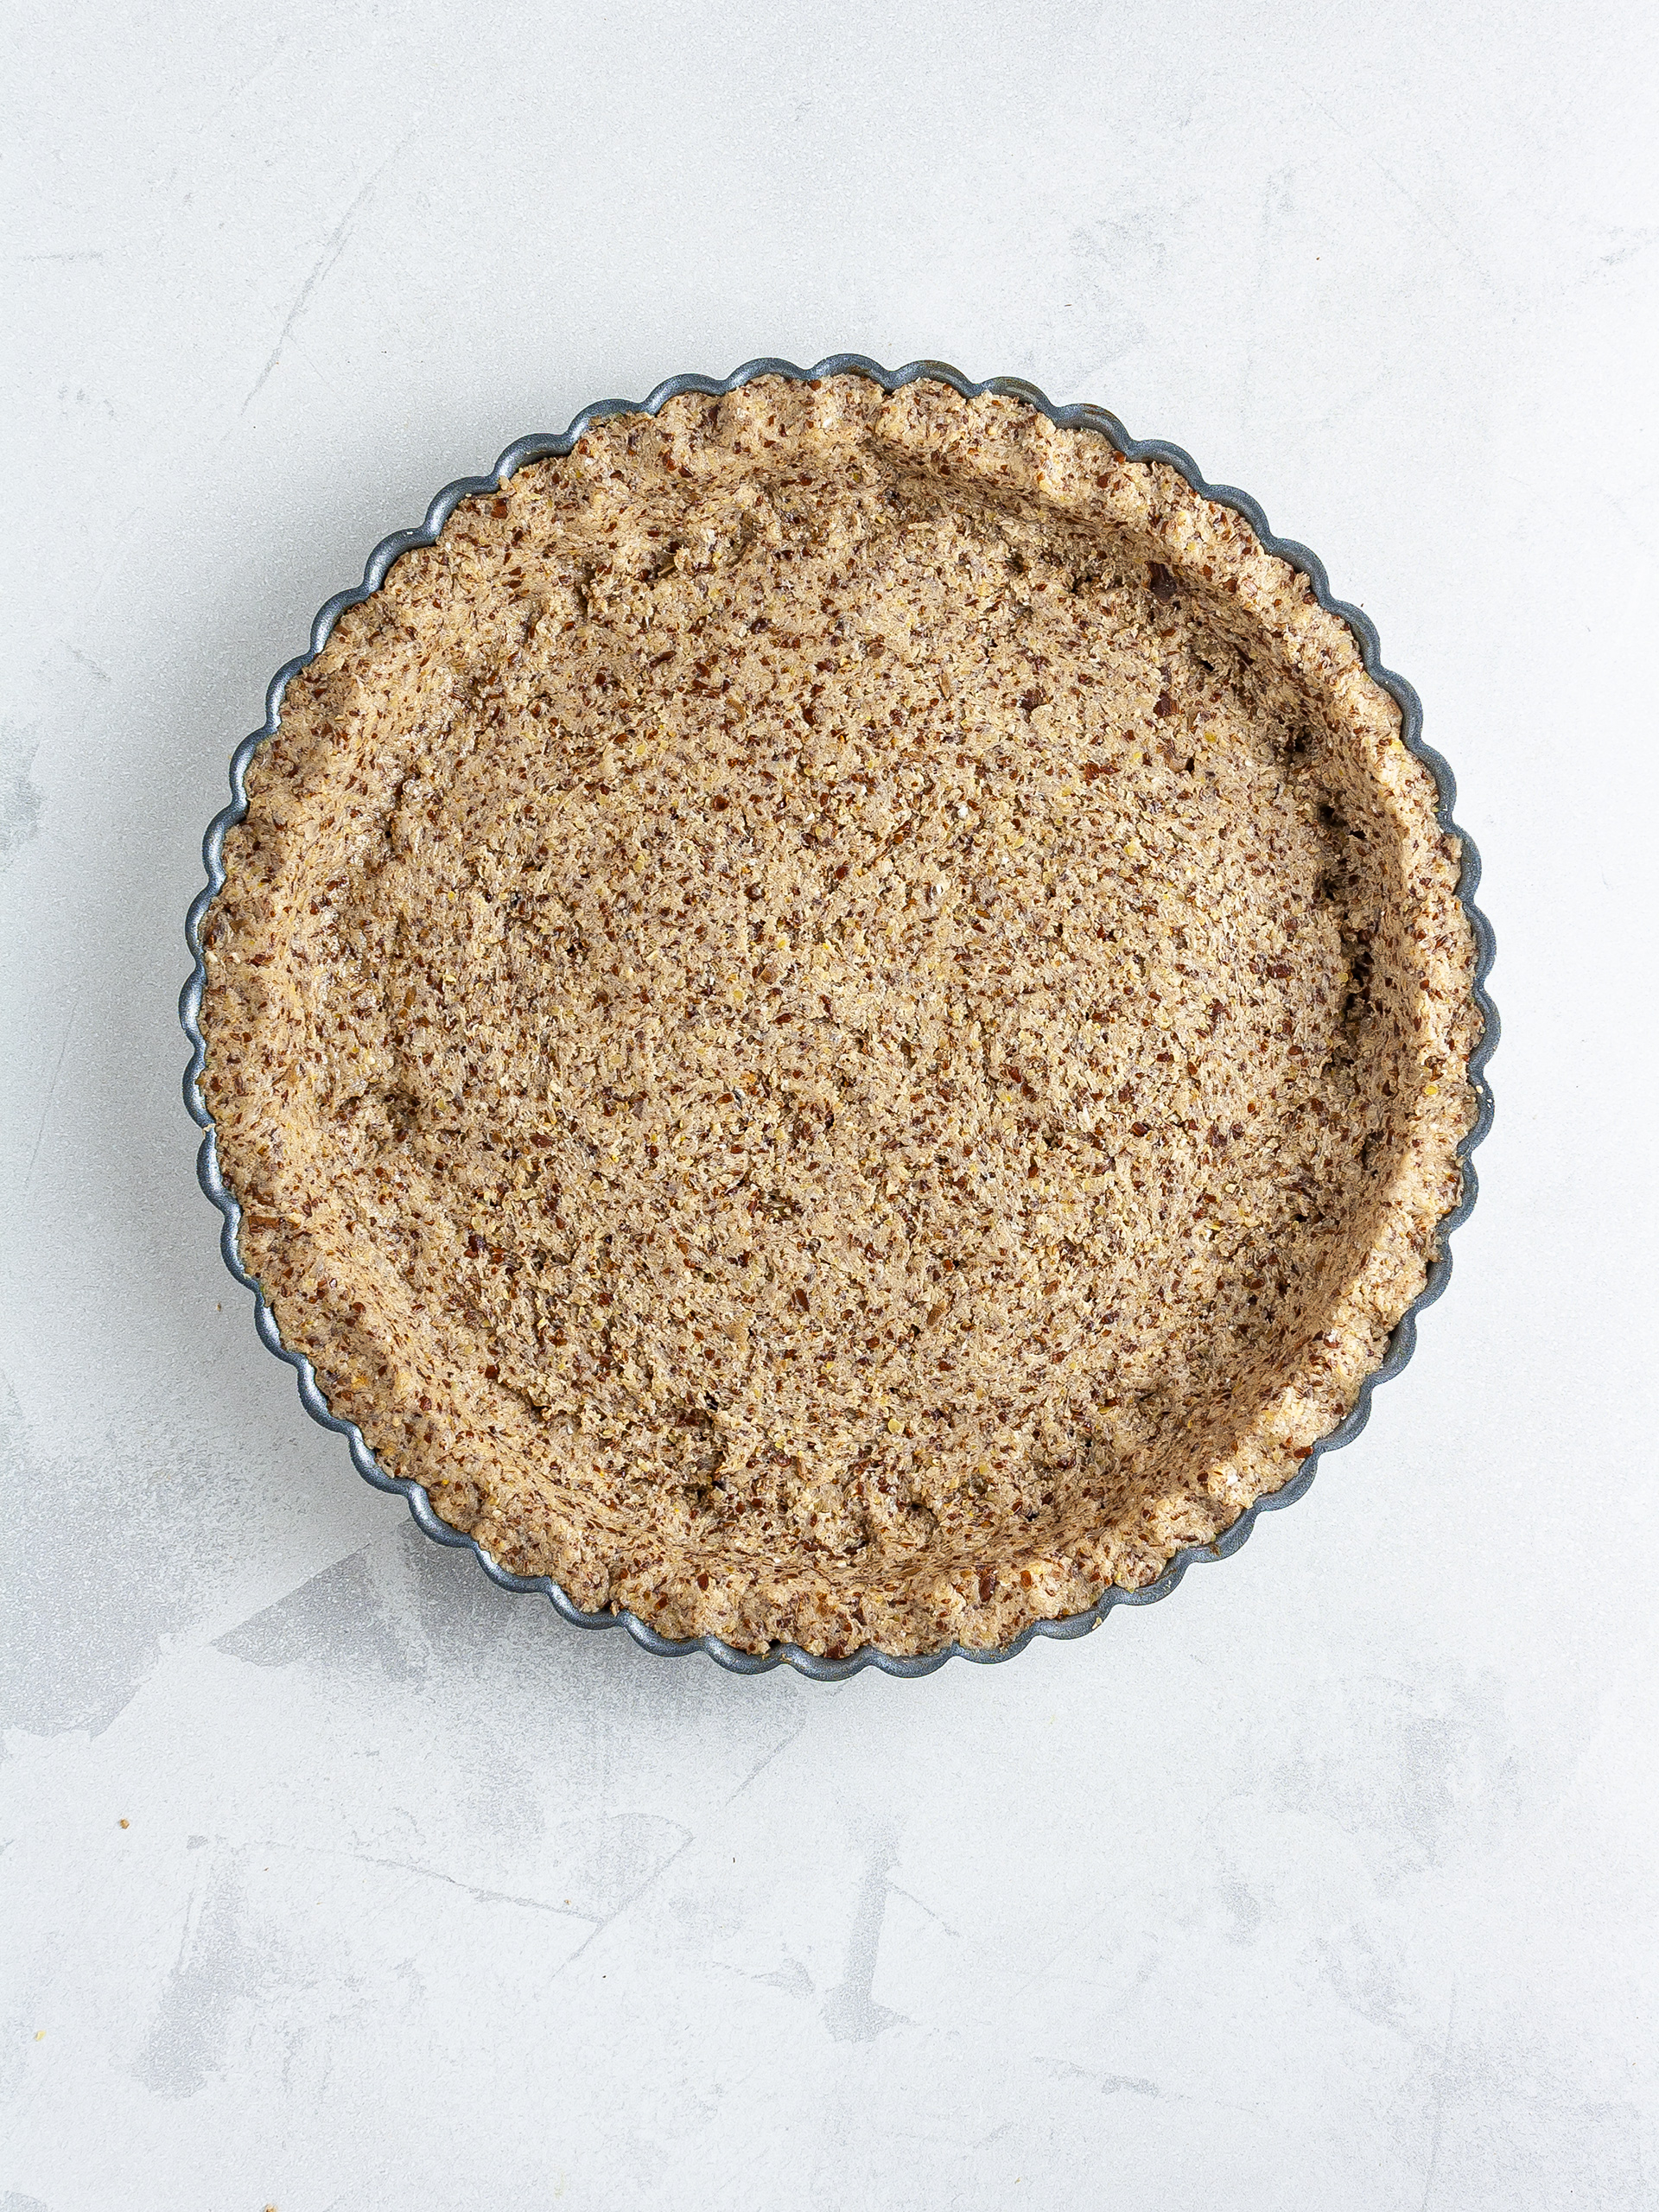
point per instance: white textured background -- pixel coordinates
(1330, 1883)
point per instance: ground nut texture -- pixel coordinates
(841, 1017)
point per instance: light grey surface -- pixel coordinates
(1331, 1880)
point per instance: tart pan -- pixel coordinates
(1401, 1344)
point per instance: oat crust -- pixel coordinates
(841, 1017)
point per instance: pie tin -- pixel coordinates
(536, 447)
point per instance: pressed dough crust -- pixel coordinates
(841, 1017)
